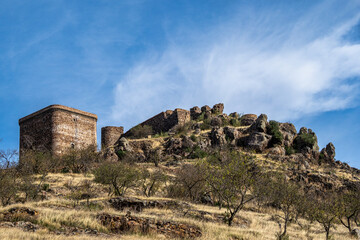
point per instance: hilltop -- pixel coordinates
(197, 174)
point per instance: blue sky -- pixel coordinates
(296, 61)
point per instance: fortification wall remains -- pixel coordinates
(57, 129)
(164, 121)
(110, 135)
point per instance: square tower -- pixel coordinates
(57, 129)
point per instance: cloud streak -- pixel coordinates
(276, 68)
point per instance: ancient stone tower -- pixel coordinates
(110, 135)
(57, 129)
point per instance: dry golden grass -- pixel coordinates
(57, 212)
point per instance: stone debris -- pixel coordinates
(128, 223)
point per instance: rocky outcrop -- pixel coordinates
(124, 145)
(288, 131)
(248, 119)
(195, 113)
(260, 125)
(128, 223)
(217, 137)
(218, 108)
(232, 134)
(328, 153)
(258, 141)
(216, 121)
(205, 108)
(306, 138)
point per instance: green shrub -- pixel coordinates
(193, 138)
(119, 176)
(274, 130)
(121, 154)
(304, 140)
(289, 150)
(206, 124)
(225, 122)
(197, 152)
(235, 122)
(161, 134)
(201, 117)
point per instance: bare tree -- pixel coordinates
(232, 178)
(324, 210)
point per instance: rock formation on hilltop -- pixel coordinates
(183, 134)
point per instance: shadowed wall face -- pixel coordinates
(110, 135)
(57, 129)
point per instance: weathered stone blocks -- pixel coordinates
(56, 129)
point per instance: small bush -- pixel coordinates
(120, 176)
(182, 129)
(235, 122)
(206, 124)
(161, 134)
(193, 138)
(201, 117)
(304, 140)
(121, 154)
(274, 130)
(289, 150)
(151, 182)
(197, 152)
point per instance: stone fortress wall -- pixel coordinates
(164, 121)
(110, 135)
(57, 128)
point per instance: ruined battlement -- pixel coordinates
(56, 129)
(165, 121)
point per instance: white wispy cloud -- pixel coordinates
(281, 69)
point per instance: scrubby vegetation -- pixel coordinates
(216, 191)
(274, 130)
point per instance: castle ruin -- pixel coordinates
(57, 129)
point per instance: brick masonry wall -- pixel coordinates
(35, 133)
(72, 130)
(56, 129)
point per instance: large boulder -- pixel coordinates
(260, 125)
(195, 112)
(218, 108)
(248, 119)
(288, 131)
(174, 145)
(217, 137)
(208, 115)
(187, 143)
(216, 121)
(232, 134)
(328, 153)
(277, 150)
(205, 108)
(258, 141)
(124, 145)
